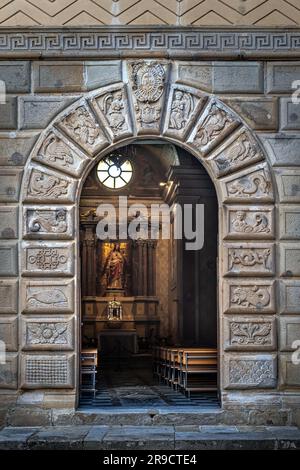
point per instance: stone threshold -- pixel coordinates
(191, 437)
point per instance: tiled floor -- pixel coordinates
(131, 388)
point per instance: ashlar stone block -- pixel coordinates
(259, 113)
(10, 184)
(248, 296)
(9, 372)
(289, 332)
(233, 77)
(289, 259)
(16, 75)
(8, 222)
(16, 147)
(9, 113)
(289, 222)
(48, 222)
(112, 107)
(8, 333)
(49, 333)
(51, 76)
(197, 74)
(102, 73)
(36, 112)
(47, 371)
(249, 259)
(8, 296)
(252, 222)
(251, 185)
(289, 115)
(290, 296)
(250, 333)
(47, 296)
(8, 259)
(288, 183)
(250, 371)
(283, 149)
(289, 372)
(47, 259)
(281, 76)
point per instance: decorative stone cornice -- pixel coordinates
(112, 42)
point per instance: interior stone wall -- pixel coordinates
(261, 125)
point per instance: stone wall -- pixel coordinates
(254, 161)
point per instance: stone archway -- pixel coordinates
(147, 105)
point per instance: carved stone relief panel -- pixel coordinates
(250, 371)
(51, 333)
(244, 222)
(48, 185)
(9, 372)
(47, 371)
(253, 185)
(47, 296)
(249, 296)
(214, 124)
(81, 125)
(8, 333)
(8, 296)
(249, 259)
(112, 107)
(48, 259)
(58, 152)
(183, 107)
(48, 222)
(239, 151)
(289, 296)
(147, 79)
(253, 333)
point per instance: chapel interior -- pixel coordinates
(149, 305)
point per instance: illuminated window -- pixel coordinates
(114, 171)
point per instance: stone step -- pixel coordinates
(191, 437)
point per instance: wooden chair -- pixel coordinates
(88, 370)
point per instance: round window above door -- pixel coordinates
(114, 171)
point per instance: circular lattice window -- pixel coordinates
(114, 171)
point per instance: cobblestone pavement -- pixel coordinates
(150, 437)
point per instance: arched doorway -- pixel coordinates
(167, 290)
(89, 129)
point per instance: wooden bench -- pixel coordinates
(88, 370)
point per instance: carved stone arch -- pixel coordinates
(149, 105)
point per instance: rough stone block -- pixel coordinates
(58, 76)
(289, 332)
(8, 296)
(37, 112)
(48, 222)
(288, 182)
(50, 333)
(233, 77)
(47, 259)
(250, 333)
(47, 296)
(289, 115)
(249, 259)
(259, 113)
(47, 371)
(250, 371)
(289, 259)
(8, 333)
(16, 75)
(198, 74)
(22, 416)
(289, 222)
(281, 75)
(59, 437)
(249, 296)
(9, 113)
(8, 259)
(283, 150)
(15, 148)
(289, 373)
(99, 74)
(48, 186)
(10, 184)
(8, 222)
(290, 296)
(9, 372)
(244, 222)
